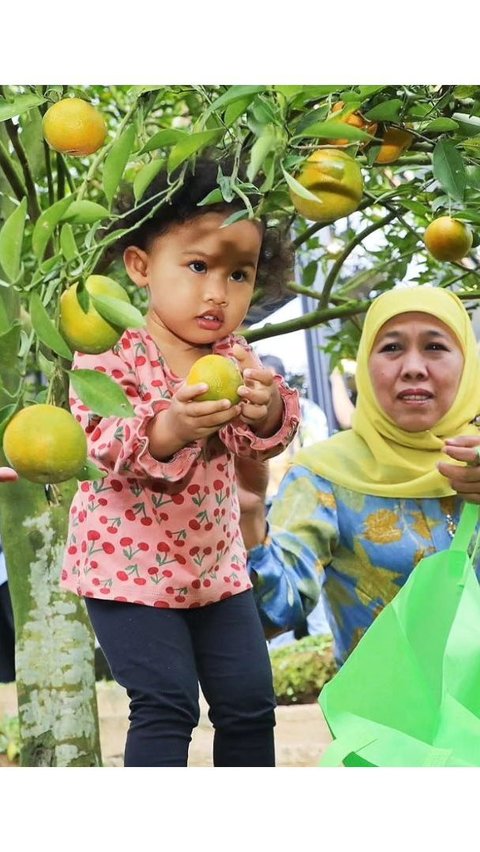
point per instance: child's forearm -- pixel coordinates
(163, 441)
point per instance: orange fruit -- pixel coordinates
(335, 178)
(222, 376)
(44, 443)
(73, 126)
(394, 143)
(90, 332)
(448, 239)
(355, 119)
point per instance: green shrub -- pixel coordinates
(9, 737)
(301, 669)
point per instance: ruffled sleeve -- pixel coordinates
(241, 440)
(120, 444)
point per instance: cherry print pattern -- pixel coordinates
(164, 534)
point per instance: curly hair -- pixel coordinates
(151, 218)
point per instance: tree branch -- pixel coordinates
(11, 174)
(32, 200)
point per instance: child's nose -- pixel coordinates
(216, 291)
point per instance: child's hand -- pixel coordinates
(192, 419)
(261, 405)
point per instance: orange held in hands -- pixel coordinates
(89, 332)
(73, 126)
(335, 178)
(448, 239)
(222, 376)
(45, 444)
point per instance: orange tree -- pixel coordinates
(62, 181)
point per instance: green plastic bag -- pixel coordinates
(409, 694)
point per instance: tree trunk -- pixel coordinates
(55, 671)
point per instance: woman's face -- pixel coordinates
(415, 367)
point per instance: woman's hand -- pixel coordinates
(261, 405)
(465, 480)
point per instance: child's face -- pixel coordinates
(200, 277)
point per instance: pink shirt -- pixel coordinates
(160, 533)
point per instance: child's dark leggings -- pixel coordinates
(160, 656)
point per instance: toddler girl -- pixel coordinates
(155, 547)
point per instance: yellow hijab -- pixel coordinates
(375, 456)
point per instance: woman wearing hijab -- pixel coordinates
(355, 513)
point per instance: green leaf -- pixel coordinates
(6, 414)
(45, 329)
(233, 94)
(415, 207)
(386, 111)
(309, 273)
(118, 312)
(367, 91)
(22, 103)
(144, 177)
(213, 197)
(465, 91)
(235, 217)
(235, 110)
(473, 176)
(190, 145)
(101, 393)
(90, 472)
(164, 139)
(46, 224)
(449, 169)
(469, 124)
(334, 129)
(288, 92)
(300, 190)
(9, 342)
(11, 241)
(67, 243)
(260, 149)
(441, 125)
(116, 160)
(85, 213)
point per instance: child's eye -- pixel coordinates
(239, 275)
(198, 266)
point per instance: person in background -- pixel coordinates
(7, 628)
(342, 382)
(356, 513)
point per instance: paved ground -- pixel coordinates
(301, 732)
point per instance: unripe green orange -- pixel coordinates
(89, 332)
(45, 444)
(335, 178)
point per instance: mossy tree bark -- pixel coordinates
(55, 672)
